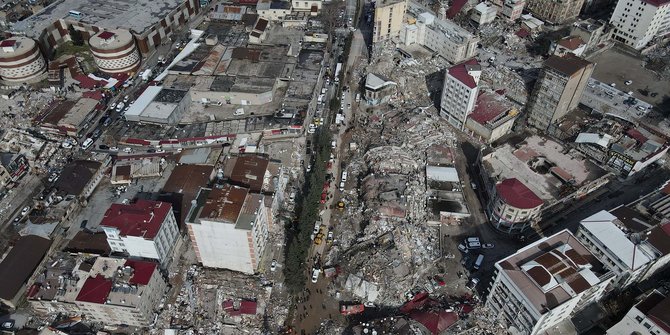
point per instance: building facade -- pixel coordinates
(545, 283)
(114, 51)
(146, 229)
(492, 118)
(637, 23)
(513, 207)
(114, 291)
(558, 89)
(21, 60)
(443, 37)
(388, 19)
(460, 91)
(631, 254)
(229, 228)
(555, 11)
(650, 315)
(12, 168)
(150, 22)
(511, 10)
(484, 13)
(378, 89)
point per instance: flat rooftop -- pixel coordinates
(552, 270)
(492, 109)
(136, 16)
(542, 165)
(222, 204)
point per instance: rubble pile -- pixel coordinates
(387, 247)
(218, 301)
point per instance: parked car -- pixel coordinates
(273, 265)
(103, 147)
(25, 210)
(488, 245)
(53, 177)
(462, 248)
(473, 283)
(87, 143)
(315, 275)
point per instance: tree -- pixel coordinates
(76, 36)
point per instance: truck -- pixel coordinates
(146, 74)
(338, 69)
(352, 309)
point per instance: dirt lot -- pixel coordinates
(614, 66)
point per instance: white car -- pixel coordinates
(315, 275)
(273, 265)
(473, 283)
(311, 130)
(87, 143)
(53, 177)
(628, 82)
(113, 149)
(25, 210)
(125, 99)
(238, 112)
(66, 145)
(128, 150)
(641, 108)
(112, 106)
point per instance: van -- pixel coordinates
(474, 245)
(119, 107)
(472, 239)
(344, 176)
(87, 143)
(478, 262)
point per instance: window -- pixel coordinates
(646, 325)
(639, 318)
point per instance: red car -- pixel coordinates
(326, 186)
(324, 195)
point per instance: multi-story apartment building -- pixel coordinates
(543, 284)
(651, 315)
(511, 10)
(443, 37)
(558, 89)
(388, 19)
(635, 23)
(145, 229)
(627, 243)
(484, 13)
(228, 227)
(113, 291)
(555, 11)
(459, 93)
(492, 118)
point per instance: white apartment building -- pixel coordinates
(228, 227)
(145, 229)
(636, 22)
(459, 93)
(625, 244)
(443, 37)
(649, 316)
(113, 291)
(543, 284)
(484, 13)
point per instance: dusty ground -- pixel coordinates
(614, 66)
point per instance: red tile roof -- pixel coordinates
(660, 314)
(7, 43)
(246, 307)
(460, 72)
(571, 43)
(657, 3)
(437, 321)
(456, 7)
(516, 194)
(523, 33)
(95, 290)
(105, 35)
(142, 271)
(636, 135)
(488, 107)
(143, 218)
